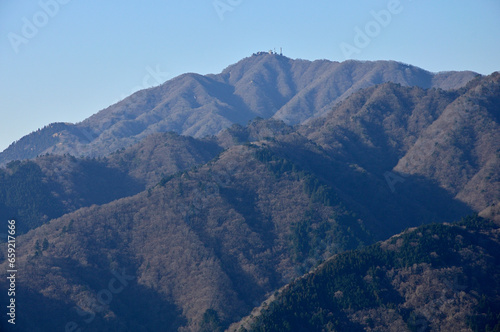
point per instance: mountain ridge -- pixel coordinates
(202, 230)
(237, 216)
(410, 282)
(203, 105)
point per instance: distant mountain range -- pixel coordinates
(192, 232)
(265, 85)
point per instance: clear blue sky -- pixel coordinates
(62, 61)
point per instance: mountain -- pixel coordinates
(48, 187)
(36, 192)
(162, 154)
(447, 137)
(464, 137)
(182, 233)
(431, 278)
(208, 244)
(217, 238)
(373, 131)
(267, 86)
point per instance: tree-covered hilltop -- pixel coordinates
(25, 197)
(35, 191)
(438, 277)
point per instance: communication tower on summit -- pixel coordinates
(272, 52)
